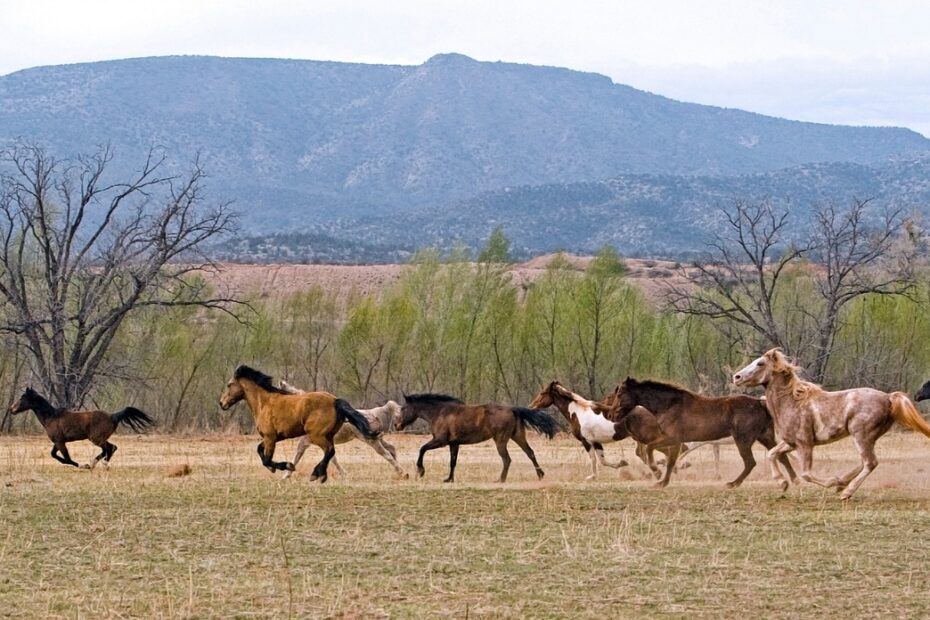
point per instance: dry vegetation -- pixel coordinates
(230, 540)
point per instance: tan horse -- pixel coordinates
(806, 415)
(279, 415)
(380, 419)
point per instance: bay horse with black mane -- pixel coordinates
(281, 415)
(806, 415)
(453, 423)
(63, 425)
(681, 416)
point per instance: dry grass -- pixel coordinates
(230, 540)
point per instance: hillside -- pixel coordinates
(298, 143)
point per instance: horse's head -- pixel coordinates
(29, 400)
(232, 394)
(404, 416)
(625, 396)
(548, 395)
(923, 393)
(760, 370)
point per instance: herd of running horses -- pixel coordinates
(793, 416)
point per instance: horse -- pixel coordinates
(453, 423)
(279, 415)
(683, 416)
(806, 415)
(380, 420)
(63, 425)
(587, 422)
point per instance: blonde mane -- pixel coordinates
(799, 389)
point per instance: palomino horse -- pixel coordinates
(586, 419)
(806, 415)
(682, 416)
(64, 425)
(279, 415)
(454, 423)
(380, 420)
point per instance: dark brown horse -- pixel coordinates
(63, 425)
(454, 423)
(681, 416)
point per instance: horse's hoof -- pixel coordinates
(289, 466)
(623, 463)
(403, 476)
(421, 473)
(784, 485)
(323, 478)
(540, 474)
(660, 485)
(844, 497)
(591, 477)
(85, 466)
(732, 484)
(448, 480)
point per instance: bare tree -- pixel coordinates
(745, 273)
(80, 252)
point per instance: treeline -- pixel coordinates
(460, 325)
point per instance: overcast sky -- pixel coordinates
(849, 62)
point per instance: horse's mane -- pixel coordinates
(437, 399)
(661, 386)
(258, 378)
(800, 390)
(41, 403)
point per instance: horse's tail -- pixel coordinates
(134, 418)
(538, 420)
(905, 413)
(345, 411)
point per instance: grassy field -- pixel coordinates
(231, 540)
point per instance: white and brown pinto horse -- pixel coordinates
(806, 415)
(587, 420)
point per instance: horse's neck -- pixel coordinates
(658, 401)
(779, 394)
(256, 398)
(45, 412)
(562, 404)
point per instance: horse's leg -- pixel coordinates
(669, 465)
(266, 451)
(647, 456)
(385, 450)
(432, 444)
(520, 438)
(65, 458)
(805, 463)
(505, 457)
(781, 449)
(866, 447)
(599, 450)
(744, 445)
(111, 450)
(302, 446)
(99, 457)
(590, 450)
(768, 441)
(329, 451)
(453, 459)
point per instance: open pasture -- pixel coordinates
(231, 539)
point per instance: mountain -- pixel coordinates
(305, 144)
(642, 215)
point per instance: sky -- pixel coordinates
(850, 62)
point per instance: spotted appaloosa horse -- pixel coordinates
(586, 418)
(806, 415)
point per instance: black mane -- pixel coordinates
(660, 386)
(437, 399)
(258, 378)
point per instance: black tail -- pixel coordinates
(134, 418)
(345, 411)
(535, 418)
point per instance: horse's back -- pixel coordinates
(90, 424)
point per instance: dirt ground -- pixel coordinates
(280, 280)
(226, 538)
